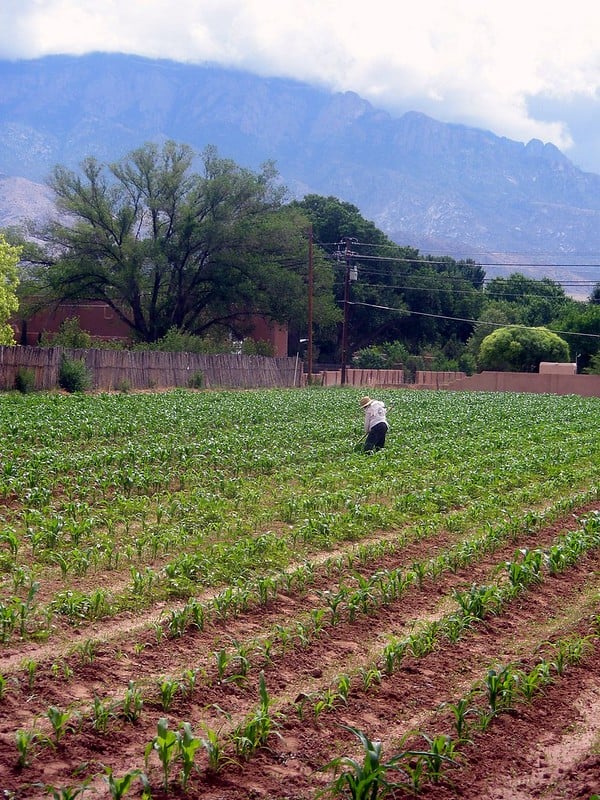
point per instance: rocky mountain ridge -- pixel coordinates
(438, 187)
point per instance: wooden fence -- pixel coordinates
(364, 377)
(114, 370)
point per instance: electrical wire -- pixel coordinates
(406, 312)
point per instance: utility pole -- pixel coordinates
(310, 304)
(350, 274)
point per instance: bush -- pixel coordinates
(25, 380)
(196, 381)
(73, 375)
(250, 347)
(516, 348)
(389, 355)
(174, 341)
(69, 335)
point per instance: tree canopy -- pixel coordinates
(168, 248)
(398, 294)
(519, 349)
(9, 280)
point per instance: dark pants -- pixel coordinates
(376, 437)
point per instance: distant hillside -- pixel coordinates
(431, 185)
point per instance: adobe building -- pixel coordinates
(99, 320)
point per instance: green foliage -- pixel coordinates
(399, 294)
(69, 335)
(9, 280)
(25, 380)
(594, 367)
(250, 347)
(221, 245)
(369, 779)
(196, 381)
(177, 341)
(520, 349)
(526, 301)
(73, 375)
(584, 318)
(119, 787)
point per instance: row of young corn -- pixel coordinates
(313, 496)
(501, 686)
(21, 615)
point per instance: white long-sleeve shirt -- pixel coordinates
(375, 413)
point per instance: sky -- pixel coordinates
(522, 69)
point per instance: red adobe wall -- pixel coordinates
(584, 385)
(276, 335)
(101, 322)
(95, 317)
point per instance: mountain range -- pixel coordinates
(442, 188)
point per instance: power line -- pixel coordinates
(443, 260)
(406, 312)
(472, 292)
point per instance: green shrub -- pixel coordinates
(25, 380)
(250, 347)
(69, 334)
(123, 386)
(197, 380)
(73, 375)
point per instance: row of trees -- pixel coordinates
(174, 243)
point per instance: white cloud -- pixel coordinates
(458, 60)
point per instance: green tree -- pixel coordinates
(9, 280)
(526, 301)
(168, 248)
(519, 349)
(595, 294)
(579, 323)
(399, 294)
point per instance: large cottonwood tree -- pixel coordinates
(167, 247)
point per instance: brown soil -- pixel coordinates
(548, 748)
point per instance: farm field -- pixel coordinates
(214, 595)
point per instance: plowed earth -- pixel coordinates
(548, 747)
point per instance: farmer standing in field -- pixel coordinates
(376, 425)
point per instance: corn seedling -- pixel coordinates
(531, 682)
(187, 746)
(119, 787)
(367, 780)
(67, 792)
(479, 601)
(222, 658)
(393, 653)
(324, 701)
(188, 684)
(132, 703)
(423, 642)
(343, 688)
(59, 720)
(102, 712)
(167, 689)
(461, 710)
(500, 687)
(177, 623)
(164, 744)
(25, 741)
(441, 753)
(211, 742)
(86, 651)
(255, 731)
(31, 668)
